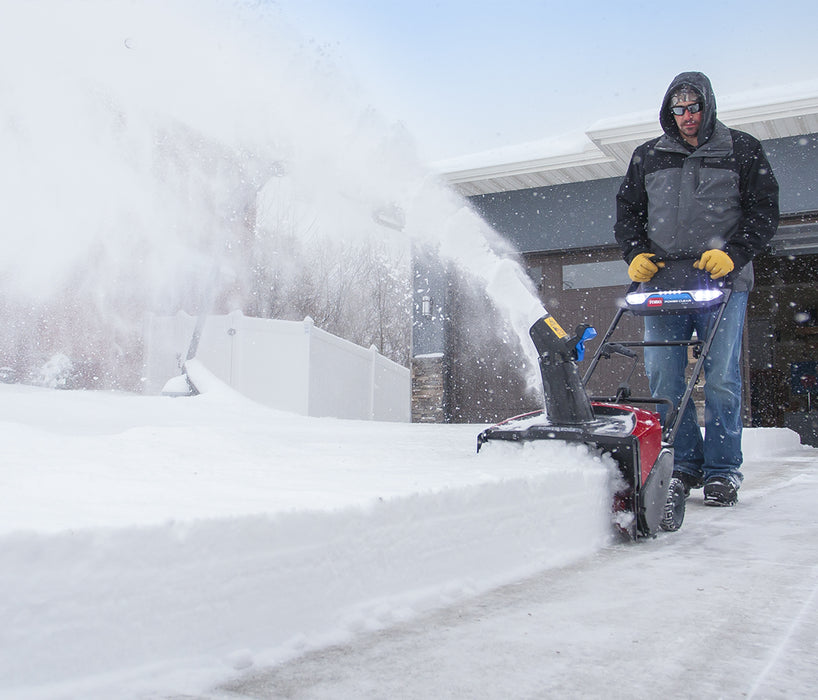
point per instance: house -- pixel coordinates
(555, 203)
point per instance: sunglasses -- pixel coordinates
(679, 111)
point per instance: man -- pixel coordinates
(706, 193)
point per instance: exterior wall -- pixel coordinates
(795, 164)
(548, 219)
(489, 375)
(782, 321)
(430, 300)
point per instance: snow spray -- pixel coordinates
(150, 148)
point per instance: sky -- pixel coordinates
(466, 77)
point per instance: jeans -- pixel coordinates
(719, 453)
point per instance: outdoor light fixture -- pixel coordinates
(426, 306)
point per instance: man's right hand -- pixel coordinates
(642, 268)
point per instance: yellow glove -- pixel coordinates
(716, 262)
(642, 268)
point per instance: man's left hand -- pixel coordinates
(716, 262)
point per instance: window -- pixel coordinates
(611, 273)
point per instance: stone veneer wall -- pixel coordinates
(428, 395)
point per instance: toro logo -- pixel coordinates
(655, 301)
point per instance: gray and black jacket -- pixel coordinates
(677, 201)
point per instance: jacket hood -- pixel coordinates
(702, 85)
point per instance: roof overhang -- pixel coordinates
(606, 148)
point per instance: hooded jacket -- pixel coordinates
(678, 201)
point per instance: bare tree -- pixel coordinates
(358, 292)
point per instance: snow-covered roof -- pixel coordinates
(604, 149)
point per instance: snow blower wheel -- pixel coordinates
(674, 507)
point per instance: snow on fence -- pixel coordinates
(288, 365)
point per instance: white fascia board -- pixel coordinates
(589, 156)
(795, 108)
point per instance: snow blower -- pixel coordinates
(639, 441)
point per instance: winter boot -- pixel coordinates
(720, 491)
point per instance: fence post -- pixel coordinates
(373, 373)
(309, 327)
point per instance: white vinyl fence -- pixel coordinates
(288, 365)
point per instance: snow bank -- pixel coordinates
(272, 586)
(192, 537)
(768, 441)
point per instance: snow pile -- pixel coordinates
(152, 542)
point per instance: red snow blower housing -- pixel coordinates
(638, 440)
